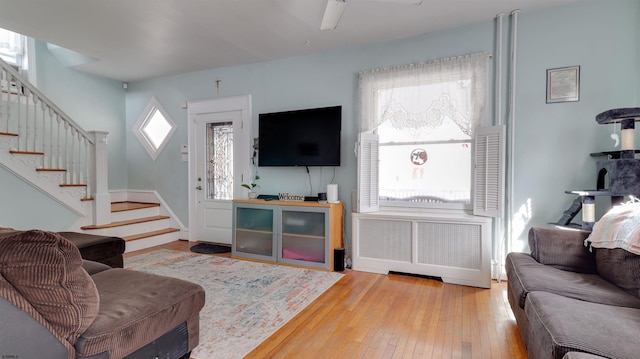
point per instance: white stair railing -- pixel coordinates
(43, 129)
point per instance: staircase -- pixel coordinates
(40, 144)
(43, 146)
(141, 225)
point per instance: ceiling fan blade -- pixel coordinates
(332, 14)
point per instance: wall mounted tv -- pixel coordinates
(308, 137)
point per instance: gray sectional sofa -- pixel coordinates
(569, 299)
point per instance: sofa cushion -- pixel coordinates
(138, 307)
(560, 325)
(98, 248)
(526, 275)
(94, 267)
(620, 267)
(562, 249)
(46, 270)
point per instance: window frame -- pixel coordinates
(369, 98)
(15, 59)
(25, 63)
(145, 116)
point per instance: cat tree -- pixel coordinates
(622, 168)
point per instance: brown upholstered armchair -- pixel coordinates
(54, 304)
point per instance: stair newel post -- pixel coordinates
(98, 180)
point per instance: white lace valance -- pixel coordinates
(458, 88)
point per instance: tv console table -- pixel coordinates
(295, 233)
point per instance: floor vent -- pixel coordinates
(430, 277)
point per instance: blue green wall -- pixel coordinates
(93, 102)
(552, 141)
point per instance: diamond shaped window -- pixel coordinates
(154, 128)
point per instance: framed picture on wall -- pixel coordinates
(563, 84)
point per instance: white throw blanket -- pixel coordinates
(618, 228)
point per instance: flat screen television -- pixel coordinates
(308, 137)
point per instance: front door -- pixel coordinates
(217, 140)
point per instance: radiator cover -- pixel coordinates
(456, 248)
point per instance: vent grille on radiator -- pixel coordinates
(385, 240)
(454, 247)
(449, 244)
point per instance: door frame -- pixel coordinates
(240, 103)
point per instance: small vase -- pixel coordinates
(253, 195)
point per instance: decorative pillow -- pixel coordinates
(47, 271)
(620, 267)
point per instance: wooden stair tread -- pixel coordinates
(13, 152)
(73, 185)
(12, 93)
(51, 170)
(149, 234)
(129, 206)
(127, 222)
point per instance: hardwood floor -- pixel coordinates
(369, 315)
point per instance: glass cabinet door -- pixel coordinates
(303, 237)
(293, 234)
(254, 232)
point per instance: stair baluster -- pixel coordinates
(37, 127)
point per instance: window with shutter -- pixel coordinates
(489, 171)
(425, 116)
(368, 199)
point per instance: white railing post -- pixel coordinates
(99, 178)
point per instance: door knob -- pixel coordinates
(199, 188)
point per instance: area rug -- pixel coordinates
(246, 302)
(210, 248)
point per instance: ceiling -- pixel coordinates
(131, 40)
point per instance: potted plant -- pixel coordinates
(251, 186)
